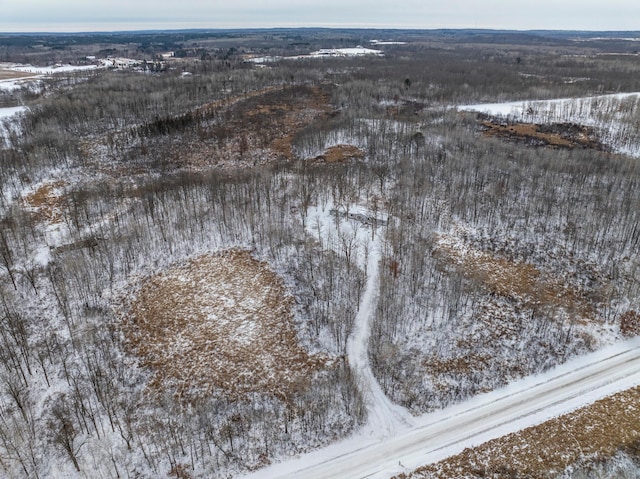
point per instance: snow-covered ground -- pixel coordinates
(30, 69)
(322, 53)
(10, 111)
(32, 74)
(16, 83)
(438, 435)
(386, 42)
(561, 109)
(32, 78)
(393, 441)
(8, 117)
(345, 52)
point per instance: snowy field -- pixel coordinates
(32, 79)
(33, 70)
(10, 112)
(13, 84)
(323, 53)
(583, 110)
(32, 74)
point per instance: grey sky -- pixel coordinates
(86, 15)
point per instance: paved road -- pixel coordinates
(447, 432)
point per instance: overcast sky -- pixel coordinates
(94, 15)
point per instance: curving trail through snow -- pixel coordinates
(384, 419)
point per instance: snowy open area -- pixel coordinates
(578, 110)
(49, 70)
(11, 111)
(8, 119)
(345, 52)
(28, 75)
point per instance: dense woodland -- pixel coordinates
(499, 258)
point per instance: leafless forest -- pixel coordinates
(503, 252)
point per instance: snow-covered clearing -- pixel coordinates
(11, 111)
(561, 109)
(12, 84)
(446, 432)
(344, 52)
(46, 70)
(8, 119)
(615, 116)
(322, 53)
(33, 75)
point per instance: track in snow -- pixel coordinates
(384, 419)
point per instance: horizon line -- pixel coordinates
(155, 29)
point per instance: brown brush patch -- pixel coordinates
(46, 203)
(243, 131)
(558, 135)
(598, 431)
(630, 323)
(340, 154)
(465, 364)
(218, 323)
(213, 107)
(519, 282)
(257, 129)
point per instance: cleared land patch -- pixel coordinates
(245, 131)
(519, 282)
(596, 433)
(340, 154)
(218, 324)
(46, 203)
(556, 135)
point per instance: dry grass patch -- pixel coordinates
(630, 323)
(519, 282)
(341, 154)
(46, 203)
(560, 135)
(218, 324)
(595, 432)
